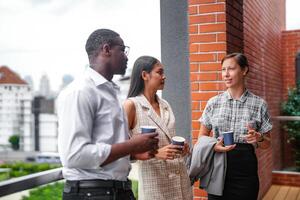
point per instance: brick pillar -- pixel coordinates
(207, 47)
(290, 41)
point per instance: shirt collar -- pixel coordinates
(145, 103)
(242, 98)
(95, 76)
(99, 79)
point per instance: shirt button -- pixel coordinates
(88, 194)
(171, 175)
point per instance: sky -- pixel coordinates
(40, 37)
(48, 36)
(292, 14)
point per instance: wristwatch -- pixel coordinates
(261, 137)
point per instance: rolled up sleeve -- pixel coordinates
(266, 124)
(205, 119)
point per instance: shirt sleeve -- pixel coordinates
(266, 124)
(205, 119)
(76, 147)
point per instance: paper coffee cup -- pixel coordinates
(228, 138)
(178, 140)
(148, 129)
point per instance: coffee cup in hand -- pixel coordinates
(228, 138)
(148, 129)
(177, 140)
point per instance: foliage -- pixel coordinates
(54, 191)
(23, 168)
(14, 140)
(292, 108)
(134, 186)
(48, 192)
(4, 175)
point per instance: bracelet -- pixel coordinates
(261, 138)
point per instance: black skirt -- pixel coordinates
(241, 182)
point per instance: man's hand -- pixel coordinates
(144, 142)
(136, 145)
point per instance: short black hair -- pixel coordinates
(240, 58)
(97, 39)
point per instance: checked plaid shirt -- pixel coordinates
(223, 113)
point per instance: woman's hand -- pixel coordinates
(219, 146)
(168, 152)
(253, 137)
(144, 156)
(186, 149)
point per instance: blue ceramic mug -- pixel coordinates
(228, 138)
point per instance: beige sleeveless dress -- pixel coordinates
(160, 179)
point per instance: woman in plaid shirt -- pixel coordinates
(240, 111)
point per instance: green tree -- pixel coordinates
(48, 192)
(291, 107)
(54, 191)
(14, 140)
(22, 168)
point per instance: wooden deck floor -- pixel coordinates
(282, 192)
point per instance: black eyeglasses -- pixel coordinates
(126, 48)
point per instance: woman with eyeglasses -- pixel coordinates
(164, 176)
(240, 111)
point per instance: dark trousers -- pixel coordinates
(241, 182)
(75, 190)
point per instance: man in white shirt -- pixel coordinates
(93, 132)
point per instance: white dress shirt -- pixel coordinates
(91, 119)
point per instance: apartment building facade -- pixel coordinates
(15, 109)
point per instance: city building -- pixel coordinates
(45, 124)
(15, 109)
(29, 81)
(44, 89)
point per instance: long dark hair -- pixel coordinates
(143, 63)
(240, 58)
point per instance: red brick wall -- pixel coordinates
(207, 48)
(234, 26)
(218, 27)
(286, 178)
(290, 46)
(263, 23)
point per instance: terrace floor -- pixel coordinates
(283, 192)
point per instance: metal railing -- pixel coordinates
(287, 118)
(30, 181)
(287, 148)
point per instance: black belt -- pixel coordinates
(124, 185)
